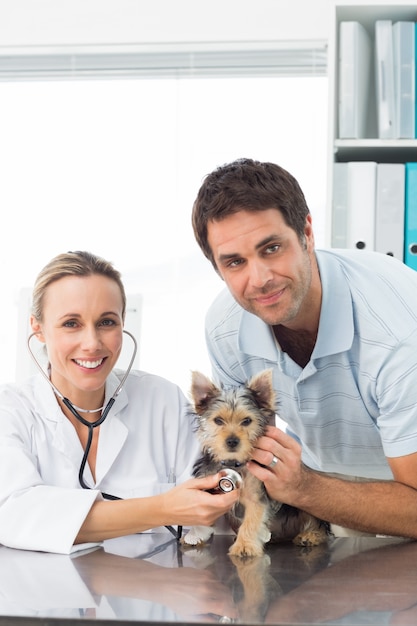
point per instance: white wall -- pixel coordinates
(51, 26)
(159, 22)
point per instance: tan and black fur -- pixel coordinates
(229, 423)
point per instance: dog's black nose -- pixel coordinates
(232, 442)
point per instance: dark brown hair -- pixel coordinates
(247, 185)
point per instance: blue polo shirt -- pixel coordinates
(355, 402)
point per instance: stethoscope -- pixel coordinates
(105, 409)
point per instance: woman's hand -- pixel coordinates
(190, 504)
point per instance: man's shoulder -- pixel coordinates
(351, 256)
(382, 289)
(365, 266)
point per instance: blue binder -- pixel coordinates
(410, 221)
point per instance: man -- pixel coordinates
(339, 330)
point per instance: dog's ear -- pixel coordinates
(262, 387)
(203, 391)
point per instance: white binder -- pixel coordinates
(404, 76)
(355, 73)
(361, 204)
(385, 84)
(389, 214)
(340, 205)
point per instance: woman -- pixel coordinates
(141, 454)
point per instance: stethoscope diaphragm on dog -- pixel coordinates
(229, 480)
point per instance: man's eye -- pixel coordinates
(235, 263)
(272, 249)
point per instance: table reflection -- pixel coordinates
(151, 578)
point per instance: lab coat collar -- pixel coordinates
(113, 432)
(45, 397)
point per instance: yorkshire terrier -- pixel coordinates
(228, 424)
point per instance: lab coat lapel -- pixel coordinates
(63, 435)
(113, 432)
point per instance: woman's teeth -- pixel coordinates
(89, 364)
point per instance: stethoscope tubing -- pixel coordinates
(73, 408)
(92, 425)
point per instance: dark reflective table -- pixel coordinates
(150, 578)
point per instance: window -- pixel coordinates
(113, 166)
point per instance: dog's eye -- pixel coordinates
(246, 421)
(218, 421)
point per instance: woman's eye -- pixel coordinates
(70, 324)
(107, 322)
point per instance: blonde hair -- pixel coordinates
(72, 264)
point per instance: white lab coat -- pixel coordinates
(147, 444)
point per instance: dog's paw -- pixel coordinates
(199, 556)
(244, 549)
(254, 565)
(310, 538)
(197, 536)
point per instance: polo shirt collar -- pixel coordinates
(336, 327)
(256, 338)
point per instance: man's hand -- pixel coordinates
(276, 461)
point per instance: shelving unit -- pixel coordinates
(372, 148)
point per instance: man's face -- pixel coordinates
(265, 266)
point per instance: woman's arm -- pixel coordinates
(187, 504)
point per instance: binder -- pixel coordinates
(339, 205)
(410, 229)
(385, 84)
(404, 76)
(361, 204)
(355, 73)
(389, 212)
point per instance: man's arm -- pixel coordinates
(380, 507)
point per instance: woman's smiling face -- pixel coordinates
(82, 327)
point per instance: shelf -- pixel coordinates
(370, 148)
(383, 151)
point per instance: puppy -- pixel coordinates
(228, 424)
